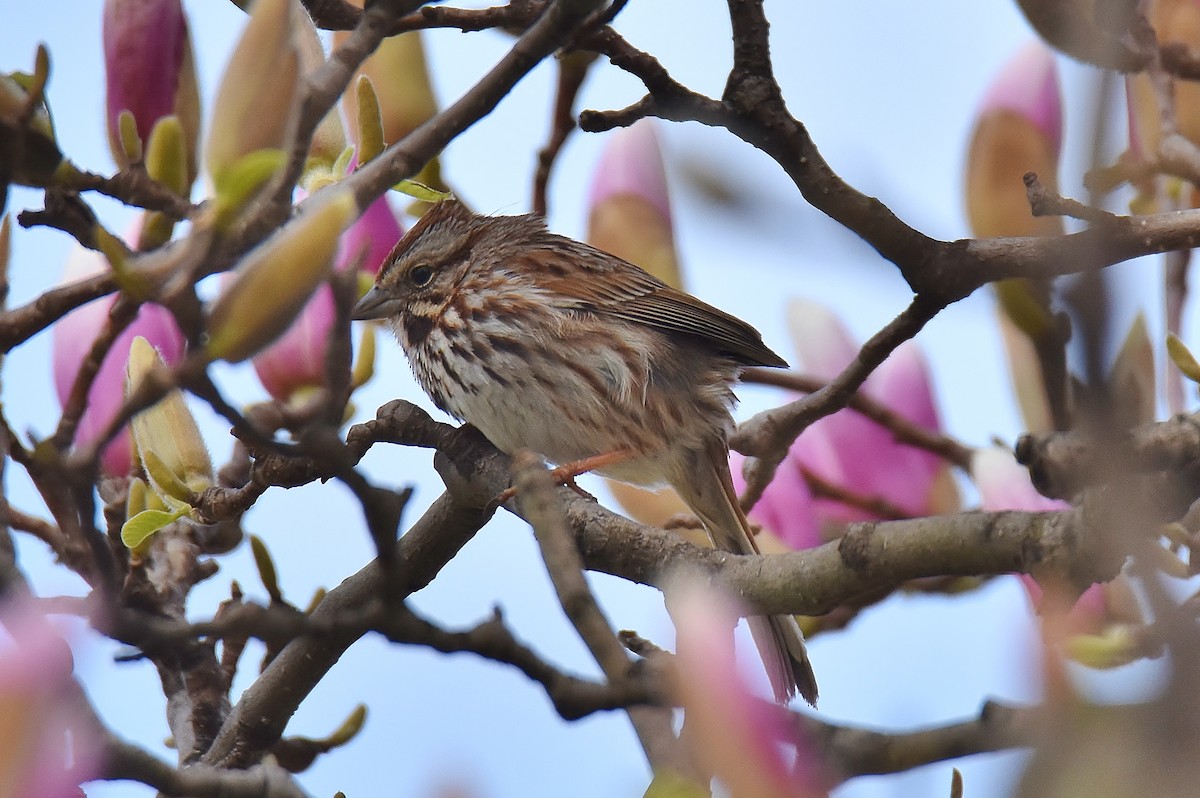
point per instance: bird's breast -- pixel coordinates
(568, 391)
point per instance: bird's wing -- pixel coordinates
(602, 283)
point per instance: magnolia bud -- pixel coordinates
(630, 205)
(168, 441)
(401, 80)
(73, 336)
(1018, 130)
(257, 100)
(296, 362)
(277, 278)
(149, 71)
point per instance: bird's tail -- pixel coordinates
(707, 488)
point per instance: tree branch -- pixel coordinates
(260, 716)
(537, 498)
(857, 751)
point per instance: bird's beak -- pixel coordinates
(375, 304)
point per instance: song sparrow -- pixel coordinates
(548, 344)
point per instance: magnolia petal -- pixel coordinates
(1004, 484)
(735, 734)
(73, 336)
(257, 97)
(144, 44)
(373, 236)
(297, 359)
(823, 344)
(786, 508)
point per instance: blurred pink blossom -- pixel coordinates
(1028, 86)
(846, 449)
(752, 745)
(373, 236)
(74, 335)
(297, 360)
(632, 165)
(1005, 485)
(46, 745)
(787, 508)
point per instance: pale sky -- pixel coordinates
(888, 91)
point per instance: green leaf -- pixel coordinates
(266, 568)
(668, 784)
(421, 191)
(167, 484)
(364, 364)
(137, 530)
(349, 729)
(343, 161)
(317, 598)
(167, 156)
(127, 136)
(128, 279)
(135, 497)
(238, 183)
(370, 120)
(1182, 357)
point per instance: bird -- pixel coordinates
(547, 344)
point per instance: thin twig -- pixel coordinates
(536, 494)
(904, 430)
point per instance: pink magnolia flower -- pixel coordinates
(257, 98)
(848, 450)
(630, 206)
(74, 335)
(1005, 485)
(149, 70)
(297, 360)
(46, 746)
(787, 508)
(632, 165)
(1018, 130)
(749, 743)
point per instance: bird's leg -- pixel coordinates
(565, 473)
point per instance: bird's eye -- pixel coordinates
(420, 275)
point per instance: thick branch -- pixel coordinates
(126, 761)
(856, 751)
(1063, 463)
(260, 716)
(537, 498)
(872, 556)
